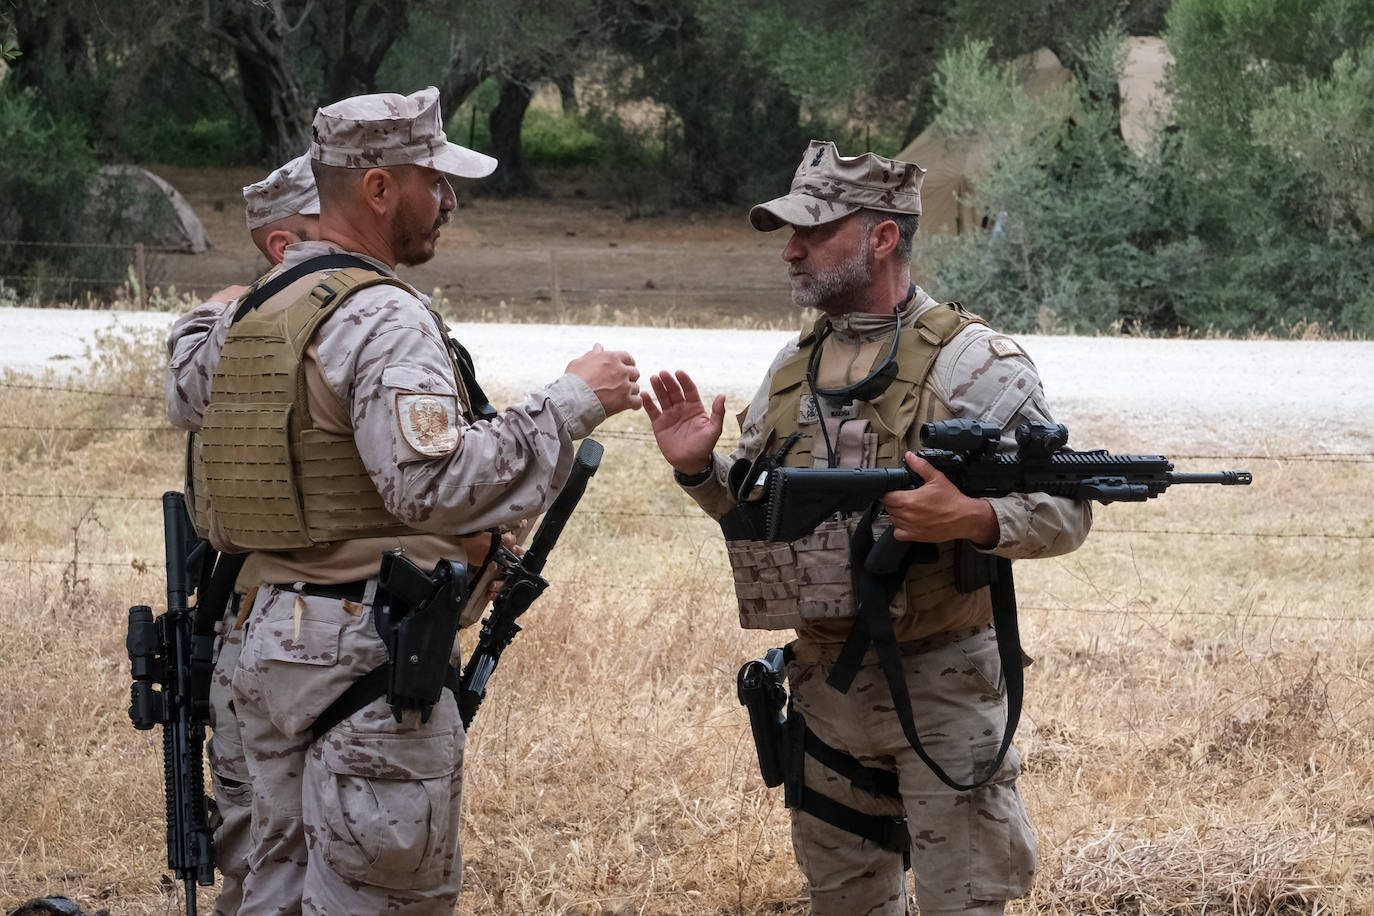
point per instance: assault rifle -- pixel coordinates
(166, 658)
(522, 584)
(965, 451)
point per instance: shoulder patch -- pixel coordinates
(429, 422)
(1002, 347)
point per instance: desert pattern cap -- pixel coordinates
(287, 191)
(371, 131)
(828, 186)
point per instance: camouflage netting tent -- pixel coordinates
(946, 195)
(129, 204)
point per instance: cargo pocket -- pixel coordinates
(385, 806)
(295, 664)
(1001, 845)
(765, 574)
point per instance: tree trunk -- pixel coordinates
(512, 176)
(270, 89)
(356, 36)
(278, 105)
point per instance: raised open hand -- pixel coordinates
(685, 432)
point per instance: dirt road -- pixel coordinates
(1230, 397)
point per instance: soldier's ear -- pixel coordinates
(275, 244)
(883, 238)
(379, 190)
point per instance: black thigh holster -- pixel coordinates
(416, 614)
(783, 743)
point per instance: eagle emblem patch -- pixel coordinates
(429, 422)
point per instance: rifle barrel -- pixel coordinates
(1225, 478)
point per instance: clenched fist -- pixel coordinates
(612, 375)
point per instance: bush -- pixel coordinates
(1088, 237)
(45, 167)
(157, 137)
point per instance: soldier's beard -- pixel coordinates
(414, 242)
(830, 290)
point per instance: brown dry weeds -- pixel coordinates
(1197, 734)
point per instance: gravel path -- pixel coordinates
(1237, 397)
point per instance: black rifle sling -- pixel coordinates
(212, 597)
(873, 625)
(369, 687)
(280, 281)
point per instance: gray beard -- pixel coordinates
(834, 285)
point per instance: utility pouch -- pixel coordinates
(761, 692)
(417, 618)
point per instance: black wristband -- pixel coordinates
(697, 479)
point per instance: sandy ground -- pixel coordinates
(1232, 397)
(567, 248)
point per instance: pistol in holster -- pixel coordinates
(417, 618)
(761, 692)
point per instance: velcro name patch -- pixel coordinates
(1002, 347)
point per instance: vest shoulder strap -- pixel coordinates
(270, 284)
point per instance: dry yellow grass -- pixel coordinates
(1197, 733)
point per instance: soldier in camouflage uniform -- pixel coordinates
(341, 424)
(281, 209)
(883, 358)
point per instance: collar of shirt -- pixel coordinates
(301, 251)
(862, 327)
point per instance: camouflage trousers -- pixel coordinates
(970, 851)
(229, 770)
(365, 819)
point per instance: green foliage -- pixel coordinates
(1079, 239)
(1258, 218)
(561, 140)
(45, 164)
(151, 136)
(1325, 128)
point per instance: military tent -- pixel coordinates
(130, 204)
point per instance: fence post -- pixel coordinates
(553, 279)
(141, 272)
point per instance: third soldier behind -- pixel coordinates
(883, 358)
(280, 210)
(343, 424)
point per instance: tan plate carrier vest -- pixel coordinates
(782, 586)
(262, 476)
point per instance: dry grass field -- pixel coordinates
(1198, 736)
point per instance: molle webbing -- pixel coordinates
(784, 586)
(273, 480)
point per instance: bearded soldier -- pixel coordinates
(342, 426)
(883, 358)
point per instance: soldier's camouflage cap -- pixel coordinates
(372, 131)
(287, 191)
(828, 186)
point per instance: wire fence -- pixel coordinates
(153, 503)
